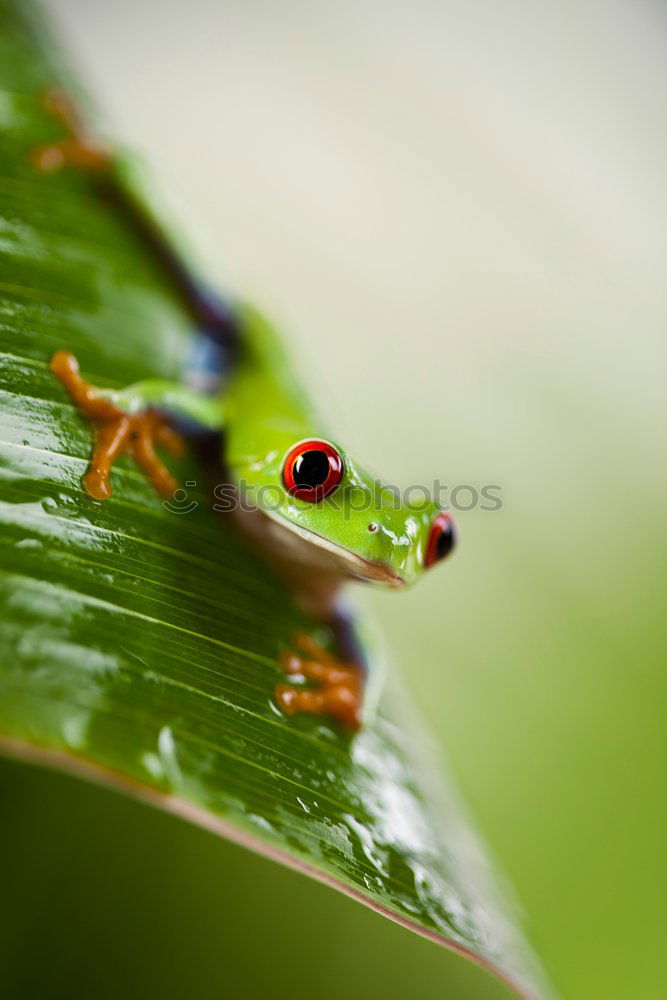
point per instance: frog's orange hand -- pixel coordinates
(76, 149)
(117, 432)
(340, 690)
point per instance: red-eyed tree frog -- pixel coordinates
(327, 519)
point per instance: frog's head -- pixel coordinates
(359, 527)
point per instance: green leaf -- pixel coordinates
(139, 646)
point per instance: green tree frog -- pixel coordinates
(319, 518)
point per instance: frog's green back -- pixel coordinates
(267, 410)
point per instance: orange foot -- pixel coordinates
(76, 149)
(341, 685)
(117, 432)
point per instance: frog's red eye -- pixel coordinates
(312, 470)
(441, 540)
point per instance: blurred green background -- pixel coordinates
(458, 213)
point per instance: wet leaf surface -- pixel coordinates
(139, 646)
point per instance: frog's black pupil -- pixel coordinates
(445, 543)
(311, 470)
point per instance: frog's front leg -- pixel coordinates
(340, 683)
(127, 420)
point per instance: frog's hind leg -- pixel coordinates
(76, 148)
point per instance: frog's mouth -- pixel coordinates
(371, 572)
(356, 566)
(322, 553)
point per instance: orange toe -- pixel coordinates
(338, 691)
